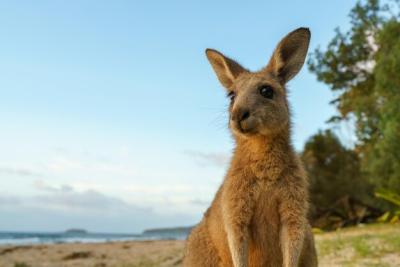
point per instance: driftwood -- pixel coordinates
(347, 211)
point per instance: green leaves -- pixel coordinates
(389, 196)
(362, 67)
(389, 216)
(333, 170)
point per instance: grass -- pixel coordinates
(372, 245)
(367, 246)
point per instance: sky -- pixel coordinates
(112, 118)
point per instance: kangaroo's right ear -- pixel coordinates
(227, 70)
(289, 55)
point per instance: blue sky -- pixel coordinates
(112, 118)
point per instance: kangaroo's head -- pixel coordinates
(259, 103)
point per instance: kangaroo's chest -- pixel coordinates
(265, 228)
(266, 219)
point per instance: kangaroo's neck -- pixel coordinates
(262, 153)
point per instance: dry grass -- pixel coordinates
(372, 245)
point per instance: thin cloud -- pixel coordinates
(9, 200)
(208, 158)
(42, 186)
(67, 198)
(200, 202)
(65, 164)
(18, 172)
(55, 208)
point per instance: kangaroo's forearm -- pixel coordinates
(237, 210)
(236, 227)
(292, 236)
(293, 210)
(238, 245)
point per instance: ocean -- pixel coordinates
(25, 238)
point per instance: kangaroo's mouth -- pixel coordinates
(243, 128)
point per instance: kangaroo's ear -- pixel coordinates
(227, 70)
(289, 55)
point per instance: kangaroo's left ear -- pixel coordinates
(290, 54)
(227, 69)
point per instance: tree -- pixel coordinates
(333, 170)
(362, 67)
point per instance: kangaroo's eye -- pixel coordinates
(267, 91)
(232, 95)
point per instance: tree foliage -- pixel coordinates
(361, 67)
(333, 170)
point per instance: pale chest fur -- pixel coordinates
(267, 178)
(265, 224)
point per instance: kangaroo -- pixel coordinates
(259, 214)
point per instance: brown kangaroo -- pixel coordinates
(259, 214)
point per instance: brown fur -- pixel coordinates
(258, 216)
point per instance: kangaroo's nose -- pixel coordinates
(240, 115)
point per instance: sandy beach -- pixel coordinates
(121, 254)
(375, 245)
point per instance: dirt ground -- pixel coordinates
(373, 245)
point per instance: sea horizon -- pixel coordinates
(83, 236)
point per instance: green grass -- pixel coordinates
(360, 246)
(375, 245)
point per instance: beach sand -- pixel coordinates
(373, 245)
(111, 254)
